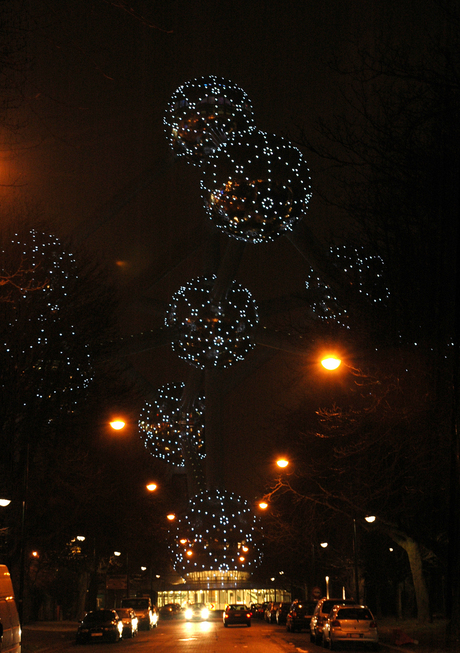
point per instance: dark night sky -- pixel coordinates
(95, 99)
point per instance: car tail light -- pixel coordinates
(249, 615)
(226, 615)
(372, 624)
(335, 624)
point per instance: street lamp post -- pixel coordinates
(22, 557)
(355, 560)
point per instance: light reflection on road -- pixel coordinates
(201, 627)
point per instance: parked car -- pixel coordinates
(270, 612)
(170, 610)
(103, 625)
(10, 627)
(130, 622)
(350, 623)
(299, 615)
(281, 613)
(196, 612)
(146, 612)
(320, 614)
(257, 610)
(236, 614)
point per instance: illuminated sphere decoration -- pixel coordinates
(201, 115)
(366, 276)
(212, 334)
(218, 534)
(256, 186)
(162, 424)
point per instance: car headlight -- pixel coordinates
(204, 613)
(188, 613)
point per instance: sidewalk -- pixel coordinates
(44, 636)
(426, 638)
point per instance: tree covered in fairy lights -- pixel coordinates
(56, 326)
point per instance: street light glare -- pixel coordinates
(151, 487)
(331, 362)
(370, 518)
(263, 505)
(5, 502)
(117, 424)
(282, 462)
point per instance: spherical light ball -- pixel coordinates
(163, 425)
(212, 334)
(201, 115)
(256, 186)
(219, 532)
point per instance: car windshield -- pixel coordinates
(358, 614)
(100, 615)
(241, 608)
(306, 607)
(137, 604)
(124, 612)
(328, 605)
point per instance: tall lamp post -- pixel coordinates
(355, 560)
(22, 560)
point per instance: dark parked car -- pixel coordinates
(170, 610)
(236, 614)
(282, 612)
(258, 610)
(270, 612)
(299, 616)
(130, 621)
(100, 625)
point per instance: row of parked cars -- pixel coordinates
(330, 621)
(107, 625)
(112, 625)
(295, 615)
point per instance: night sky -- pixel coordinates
(93, 154)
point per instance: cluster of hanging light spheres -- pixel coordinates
(164, 425)
(255, 187)
(218, 537)
(366, 273)
(46, 266)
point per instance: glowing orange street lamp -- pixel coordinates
(117, 424)
(171, 516)
(263, 505)
(331, 362)
(282, 462)
(151, 487)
